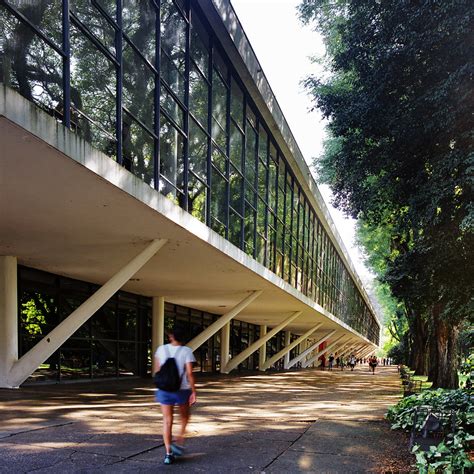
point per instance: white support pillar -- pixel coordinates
(225, 345)
(306, 352)
(201, 338)
(235, 361)
(262, 352)
(287, 344)
(8, 318)
(157, 323)
(320, 353)
(286, 350)
(24, 367)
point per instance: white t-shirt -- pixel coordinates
(182, 355)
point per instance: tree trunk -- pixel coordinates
(420, 347)
(443, 351)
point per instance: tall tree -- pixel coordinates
(401, 154)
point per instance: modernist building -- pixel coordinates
(148, 177)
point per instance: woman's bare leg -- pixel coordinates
(184, 413)
(167, 411)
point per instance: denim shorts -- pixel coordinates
(181, 397)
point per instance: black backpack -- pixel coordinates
(168, 378)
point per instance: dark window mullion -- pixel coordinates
(66, 65)
(156, 155)
(119, 54)
(209, 129)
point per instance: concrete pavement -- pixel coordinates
(306, 421)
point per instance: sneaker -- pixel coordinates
(177, 450)
(169, 459)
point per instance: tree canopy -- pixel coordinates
(400, 156)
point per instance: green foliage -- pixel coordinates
(450, 455)
(401, 154)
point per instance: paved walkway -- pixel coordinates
(308, 421)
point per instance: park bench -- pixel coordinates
(409, 384)
(431, 427)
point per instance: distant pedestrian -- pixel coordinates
(338, 360)
(184, 397)
(342, 363)
(352, 362)
(323, 362)
(372, 364)
(331, 361)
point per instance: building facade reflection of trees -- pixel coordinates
(150, 86)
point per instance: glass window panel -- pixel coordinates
(262, 180)
(95, 22)
(250, 156)
(261, 216)
(249, 223)
(139, 19)
(235, 228)
(219, 160)
(138, 87)
(197, 198)
(220, 64)
(171, 158)
(218, 201)
(29, 65)
(104, 322)
(75, 360)
(200, 45)
(263, 144)
(236, 146)
(198, 96)
(219, 111)
(93, 94)
(138, 150)
(198, 147)
(272, 185)
(173, 47)
(46, 16)
(237, 103)
(127, 363)
(251, 117)
(236, 198)
(127, 322)
(261, 248)
(174, 110)
(104, 358)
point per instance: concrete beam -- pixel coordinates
(286, 350)
(308, 351)
(24, 367)
(235, 361)
(201, 338)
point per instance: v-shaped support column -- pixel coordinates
(288, 348)
(235, 361)
(25, 366)
(310, 349)
(308, 362)
(201, 338)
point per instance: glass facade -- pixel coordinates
(147, 83)
(116, 340)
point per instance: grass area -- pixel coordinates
(426, 385)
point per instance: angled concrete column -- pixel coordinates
(366, 352)
(24, 367)
(8, 318)
(361, 350)
(301, 357)
(235, 361)
(353, 350)
(157, 323)
(286, 350)
(287, 343)
(201, 338)
(262, 352)
(225, 345)
(314, 358)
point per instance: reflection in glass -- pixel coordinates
(171, 160)
(138, 146)
(173, 47)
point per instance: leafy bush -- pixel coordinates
(450, 455)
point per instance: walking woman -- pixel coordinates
(184, 397)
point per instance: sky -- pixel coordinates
(284, 48)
